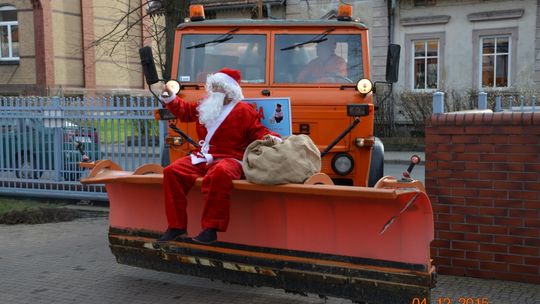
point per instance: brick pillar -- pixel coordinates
(43, 38)
(483, 179)
(89, 61)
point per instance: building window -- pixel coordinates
(424, 61)
(495, 65)
(9, 34)
(494, 60)
(426, 64)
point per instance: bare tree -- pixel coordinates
(148, 15)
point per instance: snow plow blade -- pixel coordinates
(364, 244)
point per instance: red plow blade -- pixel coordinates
(365, 244)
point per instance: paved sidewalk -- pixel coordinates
(71, 263)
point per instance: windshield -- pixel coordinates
(331, 59)
(246, 53)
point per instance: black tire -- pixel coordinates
(376, 168)
(28, 168)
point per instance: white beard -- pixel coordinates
(210, 108)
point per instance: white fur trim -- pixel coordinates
(203, 155)
(229, 85)
(167, 100)
(276, 139)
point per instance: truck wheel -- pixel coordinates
(376, 168)
(28, 168)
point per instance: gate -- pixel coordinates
(41, 140)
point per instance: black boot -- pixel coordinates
(172, 234)
(207, 236)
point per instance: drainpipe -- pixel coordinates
(269, 11)
(391, 12)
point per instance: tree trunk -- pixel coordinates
(260, 9)
(175, 12)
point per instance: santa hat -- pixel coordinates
(229, 80)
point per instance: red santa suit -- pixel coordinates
(218, 159)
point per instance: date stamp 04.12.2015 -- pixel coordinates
(459, 300)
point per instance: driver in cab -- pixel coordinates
(327, 67)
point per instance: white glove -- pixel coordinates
(166, 95)
(274, 139)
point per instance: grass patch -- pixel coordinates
(12, 204)
(18, 211)
(116, 131)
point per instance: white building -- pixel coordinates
(468, 45)
(465, 45)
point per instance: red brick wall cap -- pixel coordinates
(499, 118)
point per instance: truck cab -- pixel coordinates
(277, 60)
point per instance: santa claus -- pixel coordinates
(226, 126)
(278, 113)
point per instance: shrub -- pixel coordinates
(39, 216)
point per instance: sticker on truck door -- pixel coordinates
(275, 113)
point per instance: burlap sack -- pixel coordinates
(292, 161)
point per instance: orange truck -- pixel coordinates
(274, 57)
(333, 236)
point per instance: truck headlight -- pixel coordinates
(174, 141)
(342, 163)
(364, 86)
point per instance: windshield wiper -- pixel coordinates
(216, 41)
(317, 39)
(225, 37)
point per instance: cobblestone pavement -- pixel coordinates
(71, 263)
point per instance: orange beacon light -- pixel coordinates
(344, 12)
(196, 12)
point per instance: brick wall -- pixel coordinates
(483, 178)
(43, 41)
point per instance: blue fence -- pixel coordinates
(40, 140)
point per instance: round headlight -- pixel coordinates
(364, 86)
(342, 163)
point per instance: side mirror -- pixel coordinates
(149, 68)
(392, 62)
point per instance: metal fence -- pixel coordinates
(502, 103)
(516, 104)
(40, 140)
